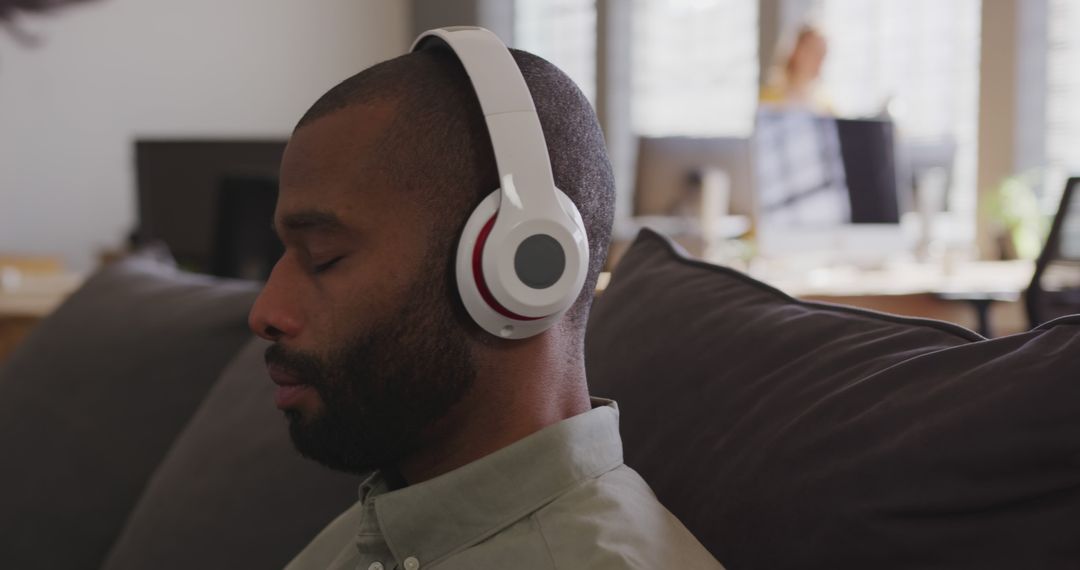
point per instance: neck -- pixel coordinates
(521, 389)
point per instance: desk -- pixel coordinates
(26, 299)
(917, 289)
(972, 294)
(902, 278)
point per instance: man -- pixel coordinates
(485, 452)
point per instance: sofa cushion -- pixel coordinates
(232, 493)
(92, 399)
(788, 434)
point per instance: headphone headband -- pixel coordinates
(521, 154)
(491, 68)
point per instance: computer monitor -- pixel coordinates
(926, 172)
(868, 150)
(179, 182)
(826, 185)
(671, 171)
(800, 171)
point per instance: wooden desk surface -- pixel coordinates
(907, 278)
(911, 289)
(932, 291)
(25, 299)
(897, 279)
(35, 296)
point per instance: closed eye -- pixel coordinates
(324, 266)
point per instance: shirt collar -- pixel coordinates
(438, 517)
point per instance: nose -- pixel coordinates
(275, 316)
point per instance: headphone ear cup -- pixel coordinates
(478, 301)
(464, 273)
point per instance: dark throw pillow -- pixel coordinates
(788, 435)
(91, 401)
(232, 493)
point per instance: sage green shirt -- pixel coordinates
(559, 498)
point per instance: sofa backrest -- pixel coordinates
(91, 401)
(787, 434)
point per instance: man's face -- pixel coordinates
(367, 352)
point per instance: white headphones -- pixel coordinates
(523, 255)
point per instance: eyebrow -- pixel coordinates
(307, 221)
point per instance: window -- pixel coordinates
(919, 61)
(1062, 98)
(562, 32)
(695, 67)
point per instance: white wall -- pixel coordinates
(114, 70)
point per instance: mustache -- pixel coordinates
(304, 367)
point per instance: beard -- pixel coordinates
(382, 388)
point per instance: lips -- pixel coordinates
(286, 397)
(281, 376)
(290, 389)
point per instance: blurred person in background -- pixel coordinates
(794, 79)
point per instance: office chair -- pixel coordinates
(1055, 286)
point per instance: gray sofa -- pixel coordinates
(139, 430)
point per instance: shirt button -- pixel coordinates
(375, 566)
(411, 563)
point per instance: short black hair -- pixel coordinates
(438, 144)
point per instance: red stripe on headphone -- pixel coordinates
(478, 275)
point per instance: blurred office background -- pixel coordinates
(130, 120)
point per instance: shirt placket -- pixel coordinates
(374, 554)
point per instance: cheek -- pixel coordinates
(369, 288)
(340, 316)
(353, 302)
